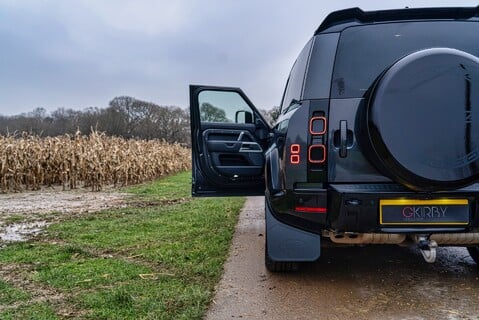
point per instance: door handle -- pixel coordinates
(343, 134)
(240, 137)
(250, 147)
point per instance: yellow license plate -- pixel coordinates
(424, 212)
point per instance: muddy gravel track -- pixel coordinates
(375, 282)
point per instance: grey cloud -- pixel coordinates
(83, 53)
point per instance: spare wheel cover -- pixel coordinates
(423, 119)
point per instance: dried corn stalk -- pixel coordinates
(95, 160)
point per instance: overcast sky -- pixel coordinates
(78, 54)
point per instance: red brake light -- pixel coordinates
(295, 148)
(294, 159)
(311, 209)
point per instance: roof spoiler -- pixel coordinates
(360, 16)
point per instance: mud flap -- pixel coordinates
(286, 243)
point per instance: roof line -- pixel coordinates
(360, 16)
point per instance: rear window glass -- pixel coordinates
(296, 78)
(364, 52)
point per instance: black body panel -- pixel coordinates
(356, 16)
(351, 166)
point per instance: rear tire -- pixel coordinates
(278, 266)
(474, 253)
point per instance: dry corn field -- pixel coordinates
(93, 161)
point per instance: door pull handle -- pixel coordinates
(343, 132)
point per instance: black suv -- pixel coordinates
(377, 141)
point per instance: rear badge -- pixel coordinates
(424, 212)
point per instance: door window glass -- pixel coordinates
(224, 107)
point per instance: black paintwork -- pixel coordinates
(398, 131)
(354, 167)
(356, 16)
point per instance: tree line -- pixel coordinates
(125, 116)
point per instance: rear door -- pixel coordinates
(228, 139)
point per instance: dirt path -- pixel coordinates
(381, 282)
(46, 201)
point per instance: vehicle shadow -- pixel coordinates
(454, 261)
(388, 282)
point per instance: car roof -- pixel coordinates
(339, 20)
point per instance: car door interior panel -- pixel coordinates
(233, 153)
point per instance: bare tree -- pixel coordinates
(125, 116)
(271, 115)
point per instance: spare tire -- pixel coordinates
(422, 119)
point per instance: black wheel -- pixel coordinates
(474, 252)
(278, 266)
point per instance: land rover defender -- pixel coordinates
(377, 141)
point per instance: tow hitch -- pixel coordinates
(427, 247)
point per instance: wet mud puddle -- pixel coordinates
(21, 231)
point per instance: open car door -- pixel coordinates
(228, 140)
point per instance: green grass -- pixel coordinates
(160, 260)
(14, 218)
(33, 311)
(173, 187)
(9, 294)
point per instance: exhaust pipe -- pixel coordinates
(463, 239)
(427, 243)
(367, 238)
(470, 238)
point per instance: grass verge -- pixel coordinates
(159, 258)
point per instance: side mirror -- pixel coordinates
(243, 116)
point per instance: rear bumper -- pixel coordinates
(355, 208)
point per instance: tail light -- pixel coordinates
(317, 153)
(294, 157)
(311, 209)
(295, 148)
(317, 148)
(317, 126)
